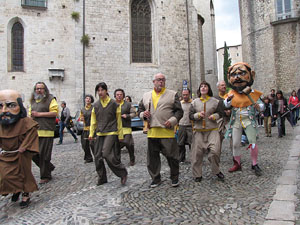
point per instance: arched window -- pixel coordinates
(17, 41)
(141, 34)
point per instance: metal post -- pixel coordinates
(189, 49)
(83, 51)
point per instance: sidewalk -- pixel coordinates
(283, 208)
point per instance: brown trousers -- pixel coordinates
(129, 144)
(267, 124)
(108, 148)
(43, 158)
(206, 142)
(169, 148)
(87, 146)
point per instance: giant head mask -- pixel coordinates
(11, 107)
(240, 76)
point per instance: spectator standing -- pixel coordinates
(65, 121)
(267, 114)
(85, 116)
(272, 97)
(293, 103)
(280, 107)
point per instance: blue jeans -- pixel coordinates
(62, 126)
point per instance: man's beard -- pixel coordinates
(38, 96)
(12, 118)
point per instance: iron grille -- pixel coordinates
(35, 3)
(141, 31)
(17, 47)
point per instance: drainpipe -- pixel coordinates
(83, 51)
(189, 49)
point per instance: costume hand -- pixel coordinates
(147, 114)
(227, 112)
(91, 138)
(202, 114)
(21, 150)
(256, 106)
(124, 116)
(211, 117)
(34, 114)
(230, 97)
(168, 124)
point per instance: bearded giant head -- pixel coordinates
(11, 107)
(240, 76)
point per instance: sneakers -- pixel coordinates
(76, 140)
(175, 183)
(59, 143)
(155, 184)
(257, 170)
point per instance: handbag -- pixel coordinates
(70, 123)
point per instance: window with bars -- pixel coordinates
(141, 44)
(17, 36)
(35, 3)
(284, 9)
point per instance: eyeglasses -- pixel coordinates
(160, 79)
(38, 89)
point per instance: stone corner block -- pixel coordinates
(281, 210)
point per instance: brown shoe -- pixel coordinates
(44, 181)
(123, 180)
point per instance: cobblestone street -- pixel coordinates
(72, 197)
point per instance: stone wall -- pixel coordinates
(270, 46)
(52, 40)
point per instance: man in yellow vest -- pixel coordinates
(162, 109)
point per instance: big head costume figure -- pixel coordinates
(18, 142)
(11, 107)
(240, 76)
(244, 102)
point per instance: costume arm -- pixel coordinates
(93, 125)
(119, 122)
(68, 115)
(132, 112)
(227, 104)
(177, 110)
(193, 114)
(141, 110)
(31, 141)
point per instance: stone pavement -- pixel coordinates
(72, 197)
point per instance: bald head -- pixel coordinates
(11, 107)
(159, 81)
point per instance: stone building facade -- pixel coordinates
(182, 46)
(234, 53)
(271, 42)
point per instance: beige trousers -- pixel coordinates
(205, 142)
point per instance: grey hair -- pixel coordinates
(63, 102)
(158, 74)
(218, 83)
